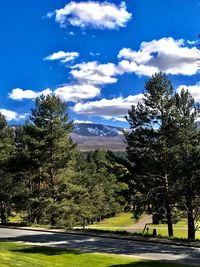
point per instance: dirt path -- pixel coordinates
(140, 224)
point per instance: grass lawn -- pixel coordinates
(20, 255)
(178, 233)
(123, 220)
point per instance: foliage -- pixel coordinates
(6, 179)
(163, 148)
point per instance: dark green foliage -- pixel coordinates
(187, 158)
(164, 150)
(50, 156)
(6, 179)
(60, 186)
(99, 187)
(149, 144)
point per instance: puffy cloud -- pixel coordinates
(62, 56)
(12, 115)
(115, 107)
(98, 15)
(126, 66)
(193, 89)
(68, 92)
(95, 73)
(166, 54)
(77, 92)
(20, 94)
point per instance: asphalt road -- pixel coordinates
(145, 250)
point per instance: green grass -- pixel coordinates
(178, 233)
(20, 255)
(18, 218)
(123, 220)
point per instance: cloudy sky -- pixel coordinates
(96, 55)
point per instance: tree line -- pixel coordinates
(44, 176)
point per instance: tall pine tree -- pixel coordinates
(7, 189)
(50, 154)
(149, 144)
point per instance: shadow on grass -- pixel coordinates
(46, 251)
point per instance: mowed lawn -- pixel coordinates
(119, 222)
(178, 233)
(20, 255)
(124, 220)
(180, 229)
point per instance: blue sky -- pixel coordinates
(95, 55)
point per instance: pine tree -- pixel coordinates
(149, 144)
(50, 153)
(99, 197)
(6, 179)
(187, 160)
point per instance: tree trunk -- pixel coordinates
(190, 219)
(2, 210)
(169, 221)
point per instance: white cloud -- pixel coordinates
(63, 56)
(98, 15)
(82, 121)
(12, 115)
(20, 94)
(68, 92)
(95, 73)
(108, 107)
(126, 66)
(193, 89)
(166, 54)
(75, 92)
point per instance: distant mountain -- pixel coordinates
(90, 129)
(89, 136)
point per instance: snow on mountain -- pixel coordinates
(91, 129)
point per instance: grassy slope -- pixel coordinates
(118, 222)
(18, 255)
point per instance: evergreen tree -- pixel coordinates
(149, 144)
(99, 198)
(6, 180)
(187, 161)
(50, 154)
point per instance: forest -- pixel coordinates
(44, 176)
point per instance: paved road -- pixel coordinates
(143, 250)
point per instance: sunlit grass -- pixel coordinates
(18, 255)
(123, 220)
